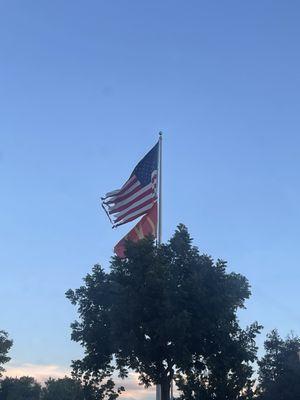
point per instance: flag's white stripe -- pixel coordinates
(129, 190)
(138, 212)
(137, 203)
(129, 181)
(132, 197)
(115, 192)
(113, 201)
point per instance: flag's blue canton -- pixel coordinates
(146, 166)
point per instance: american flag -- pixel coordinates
(137, 195)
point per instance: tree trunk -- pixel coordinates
(165, 389)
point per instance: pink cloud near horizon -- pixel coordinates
(42, 372)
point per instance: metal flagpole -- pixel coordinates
(159, 224)
(159, 189)
(159, 234)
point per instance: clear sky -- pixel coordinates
(85, 86)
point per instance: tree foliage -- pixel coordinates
(5, 345)
(226, 374)
(162, 311)
(27, 388)
(24, 388)
(69, 389)
(63, 389)
(279, 369)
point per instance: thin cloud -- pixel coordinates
(134, 391)
(40, 372)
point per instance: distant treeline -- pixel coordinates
(27, 388)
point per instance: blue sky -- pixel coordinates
(84, 89)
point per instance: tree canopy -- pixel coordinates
(279, 369)
(165, 311)
(227, 373)
(70, 389)
(5, 345)
(24, 388)
(63, 389)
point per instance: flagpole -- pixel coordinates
(159, 220)
(159, 236)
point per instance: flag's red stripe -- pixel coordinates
(132, 218)
(127, 191)
(132, 210)
(130, 198)
(131, 181)
(136, 205)
(125, 196)
(120, 196)
(130, 203)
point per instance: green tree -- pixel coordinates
(279, 369)
(226, 374)
(63, 389)
(5, 345)
(69, 389)
(163, 311)
(24, 388)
